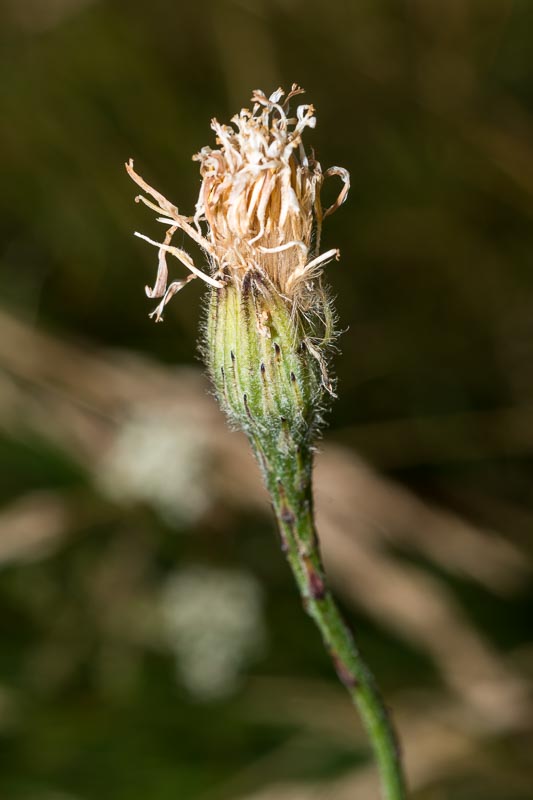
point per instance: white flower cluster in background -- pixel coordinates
(163, 460)
(213, 620)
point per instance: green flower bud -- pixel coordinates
(265, 377)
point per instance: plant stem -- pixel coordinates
(288, 478)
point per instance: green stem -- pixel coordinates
(269, 376)
(288, 478)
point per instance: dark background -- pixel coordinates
(151, 642)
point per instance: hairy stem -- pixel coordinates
(287, 473)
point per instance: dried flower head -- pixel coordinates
(259, 205)
(258, 219)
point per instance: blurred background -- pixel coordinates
(152, 642)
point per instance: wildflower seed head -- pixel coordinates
(258, 219)
(259, 205)
(261, 197)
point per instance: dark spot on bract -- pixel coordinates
(287, 515)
